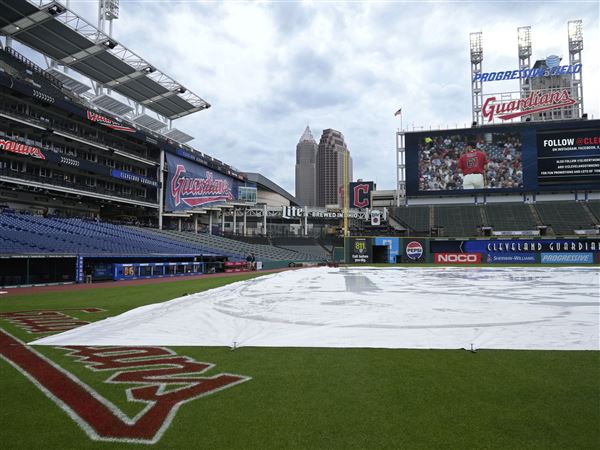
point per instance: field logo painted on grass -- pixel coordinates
(163, 382)
(46, 321)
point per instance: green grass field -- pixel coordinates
(322, 398)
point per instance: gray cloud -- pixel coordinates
(269, 68)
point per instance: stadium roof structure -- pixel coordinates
(272, 186)
(55, 31)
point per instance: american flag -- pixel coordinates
(397, 113)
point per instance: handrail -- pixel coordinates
(33, 67)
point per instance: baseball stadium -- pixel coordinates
(154, 296)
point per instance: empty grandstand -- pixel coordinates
(307, 246)
(458, 220)
(564, 217)
(415, 219)
(239, 248)
(510, 216)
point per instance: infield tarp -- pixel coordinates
(445, 308)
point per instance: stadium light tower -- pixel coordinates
(575, 30)
(524, 43)
(476, 86)
(108, 10)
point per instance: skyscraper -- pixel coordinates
(306, 155)
(330, 168)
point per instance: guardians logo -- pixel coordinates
(198, 191)
(21, 149)
(535, 103)
(108, 122)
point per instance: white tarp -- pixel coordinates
(501, 308)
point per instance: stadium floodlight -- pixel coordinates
(524, 41)
(575, 30)
(110, 44)
(55, 10)
(111, 9)
(476, 47)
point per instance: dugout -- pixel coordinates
(103, 268)
(27, 270)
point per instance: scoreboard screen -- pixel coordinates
(524, 157)
(568, 156)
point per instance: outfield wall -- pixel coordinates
(370, 250)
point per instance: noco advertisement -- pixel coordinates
(526, 157)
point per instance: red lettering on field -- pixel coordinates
(96, 416)
(43, 321)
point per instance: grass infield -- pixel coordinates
(323, 398)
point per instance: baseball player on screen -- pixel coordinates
(472, 164)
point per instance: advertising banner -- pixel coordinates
(359, 193)
(360, 250)
(504, 246)
(21, 149)
(108, 122)
(566, 156)
(567, 258)
(414, 250)
(457, 258)
(513, 258)
(190, 185)
(393, 244)
(79, 276)
(124, 175)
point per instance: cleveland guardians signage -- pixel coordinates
(21, 149)
(190, 185)
(108, 122)
(360, 194)
(537, 101)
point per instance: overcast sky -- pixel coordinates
(271, 68)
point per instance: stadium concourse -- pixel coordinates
(450, 308)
